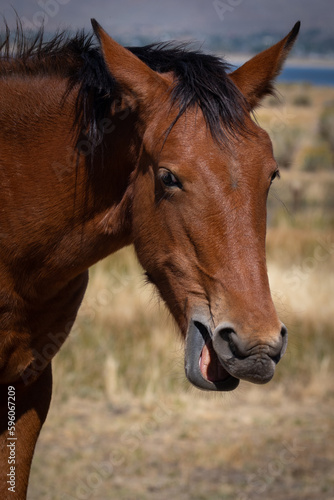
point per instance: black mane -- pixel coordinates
(201, 79)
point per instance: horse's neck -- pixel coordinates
(55, 224)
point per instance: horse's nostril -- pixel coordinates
(233, 342)
(284, 341)
(225, 342)
(284, 331)
(226, 333)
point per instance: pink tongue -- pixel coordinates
(209, 364)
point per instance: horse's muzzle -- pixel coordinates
(215, 361)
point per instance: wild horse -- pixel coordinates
(103, 147)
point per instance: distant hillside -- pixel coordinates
(312, 42)
(245, 26)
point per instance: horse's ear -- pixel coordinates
(133, 75)
(255, 78)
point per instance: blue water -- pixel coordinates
(313, 75)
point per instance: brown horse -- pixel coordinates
(102, 147)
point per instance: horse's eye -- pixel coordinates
(275, 174)
(169, 179)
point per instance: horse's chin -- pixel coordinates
(202, 366)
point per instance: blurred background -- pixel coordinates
(124, 423)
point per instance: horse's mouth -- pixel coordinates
(202, 365)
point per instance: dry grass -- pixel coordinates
(302, 284)
(124, 339)
(254, 444)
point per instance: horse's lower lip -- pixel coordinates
(202, 366)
